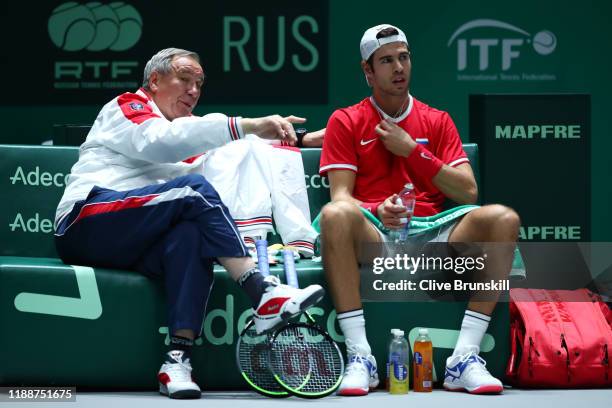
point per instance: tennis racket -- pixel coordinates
(252, 349)
(303, 358)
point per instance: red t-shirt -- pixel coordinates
(351, 143)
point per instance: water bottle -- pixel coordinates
(398, 364)
(422, 364)
(392, 332)
(407, 198)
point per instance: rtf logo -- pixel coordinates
(95, 26)
(543, 42)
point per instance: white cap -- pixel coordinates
(423, 331)
(369, 43)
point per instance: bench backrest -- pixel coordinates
(32, 180)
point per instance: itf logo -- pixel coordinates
(482, 49)
(95, 26)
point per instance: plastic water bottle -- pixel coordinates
(398, 364)
(422, 364)
(407, 198)
(392, 332)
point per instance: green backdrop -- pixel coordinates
(550, 46)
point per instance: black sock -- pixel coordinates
(181, 343)
(252, 281)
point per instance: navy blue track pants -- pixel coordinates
(172, 230)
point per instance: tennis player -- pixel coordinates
(370, 151)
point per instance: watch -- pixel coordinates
(300, 133)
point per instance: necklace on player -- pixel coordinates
(402, 108)
(400, 114)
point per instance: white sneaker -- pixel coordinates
(467, 372)
(360, 375)
(281, 302)
(175, 378)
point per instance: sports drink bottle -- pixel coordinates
(422, 368)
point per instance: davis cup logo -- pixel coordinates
(487, 46)
(95, 26)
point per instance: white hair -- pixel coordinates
(162, 62)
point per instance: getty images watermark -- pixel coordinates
(442, 271)
(484, 271)
(411, 265)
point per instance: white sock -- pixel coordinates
(352, 325)
(473, 329)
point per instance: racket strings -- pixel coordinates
(253, 360)
(305, 360)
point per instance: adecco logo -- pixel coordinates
(38, 178)
(485, 53)
(95, 26)
(316, 181)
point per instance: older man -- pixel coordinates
(131, 203)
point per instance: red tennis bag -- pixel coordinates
(559, 339)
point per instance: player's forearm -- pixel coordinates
(314, 139)
(457, 185)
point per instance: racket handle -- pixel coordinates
(290, 272)
(261, 245)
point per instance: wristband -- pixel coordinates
(371, 207)
(423, 162)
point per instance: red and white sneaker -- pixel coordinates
(175, 378)
(280, 303)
